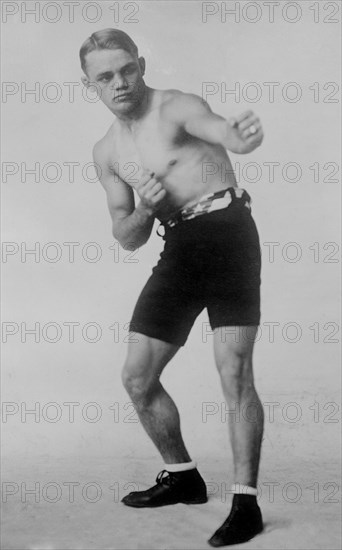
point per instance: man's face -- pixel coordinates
(118, 77)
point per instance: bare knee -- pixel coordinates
(236, 373)
(138, 383)
(131, 378)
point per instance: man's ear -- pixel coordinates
(142, 65)
(85, 81)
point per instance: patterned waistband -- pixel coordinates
(209, 203)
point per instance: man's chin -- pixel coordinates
(122, 106)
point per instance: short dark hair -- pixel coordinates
(107, 39)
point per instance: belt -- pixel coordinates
(208, 203)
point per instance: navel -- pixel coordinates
(172, 162)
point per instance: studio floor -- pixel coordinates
(76, 505)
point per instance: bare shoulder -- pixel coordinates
(179, 106)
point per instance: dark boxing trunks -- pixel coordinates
(211, 259)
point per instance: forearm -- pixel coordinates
(239, 135)
(134, 230)
(226, 132)
(213, 129)
(223, 132)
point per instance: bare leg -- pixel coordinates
(233, 354)
(157, 412)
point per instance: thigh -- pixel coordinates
(147, 357)
(233, 347)
(169, 302)
(233, 295)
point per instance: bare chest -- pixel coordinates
(153, 146)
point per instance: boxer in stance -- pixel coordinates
(172, 149)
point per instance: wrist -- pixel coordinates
(145, 211)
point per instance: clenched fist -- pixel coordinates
(151, 192)
(244, 133)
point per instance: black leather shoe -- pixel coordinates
(187, 487)
(242, 524)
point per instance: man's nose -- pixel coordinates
(120, 83)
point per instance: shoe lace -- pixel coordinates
(164, 478)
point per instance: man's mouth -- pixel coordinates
(121, 97)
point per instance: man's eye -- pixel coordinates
(129, 70)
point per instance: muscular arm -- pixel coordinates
(196, 117)
(131, 225)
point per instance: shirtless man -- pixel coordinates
(210, 260)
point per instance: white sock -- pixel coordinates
(239, 489)
(180, 466)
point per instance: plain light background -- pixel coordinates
(181, 52)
